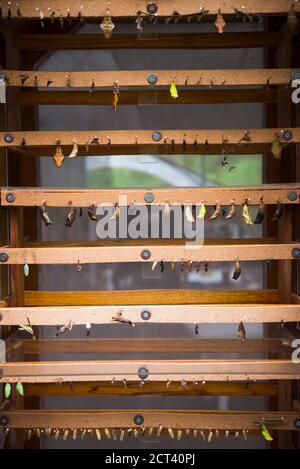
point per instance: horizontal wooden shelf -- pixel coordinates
(139, 78)
(193, 419)
(134, 98)
(271, 194)
(227, 40)
(125, 9)
(158, 370)
(148, 297)
(181, 314)
(275, 347)
(124, 251)
(133, 149)
(145, 137)
(152, 388)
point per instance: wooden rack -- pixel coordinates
(154, 370)
(148, 137)
(138, 78)
(203, 420)
(91, 8)
(183, 314)
(269, 193)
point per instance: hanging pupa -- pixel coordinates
(65, 328)
(173, 90)
(167, 209)
(246, 214)
(217, 212)
(172, 266)
(71, 217)
(116, 213)
(220, 23)
(74, 151)
(202, 211)
(265, 432)
(98, 434)
(171, 433)
(241, 332)
(65, 434)
(7, 390)
(154, 265)
(231, 212)
(20, 388)
(292, 20)
(278, 212)
(237, 270)
(189, 214)
(107, 25)
(210, 436)
(116, 91)
(261, 212)
(58, 156)
(26, 270)
(88, 328)
(44, 215)
(91, 212)
(276, 147)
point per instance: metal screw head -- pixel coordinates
(152, 8)
(138, 420)
(143, 373)
(297, 423)
(8, 138)
(145, 315)
(296, 253)
(296, 75)
(10, 197)
(145, 254)
(156, 136)
(4, 420)
(3, 257)
(287, 135)
(149, 197)
(292, 196)
(152, 79)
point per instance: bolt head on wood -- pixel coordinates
(292, 196)
(296, 253)
(4, 420)
(156, 136)
(152, 8)
(145, 254)
(287, 135)
(149, 197)
(3, 257)
(10, 197)
(143, 373)
(8, 138)
(152, 79)
(138, 420)
(145, 315)
(297, 423)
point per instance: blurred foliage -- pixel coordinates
(247, 171)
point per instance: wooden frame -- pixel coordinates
(202, 420)
(130, 78)
(158, 370)
(174, 314)
(145, 137)
(120, 9)
(270, 193)
(124, 251)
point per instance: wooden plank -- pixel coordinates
(204, 419)
(159, 370)
(133, 149)
(134, 98)
(124, 9)
(120, 251)
(149, 297)
(130, 78)
(60, 197)
(166, 346)
(181, 314)
(152, 388)
(145, 137)
(46, 42)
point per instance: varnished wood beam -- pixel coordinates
(46, 42)
(152, 388)
(149, 297)
(134, 98)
